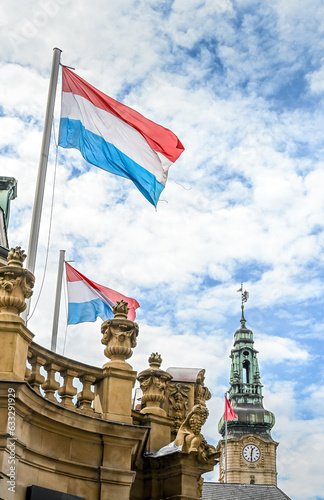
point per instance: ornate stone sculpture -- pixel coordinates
(153, 382)
(202, 393)
(178, 398)
(190, 437)
(16, 283)
(119, 334)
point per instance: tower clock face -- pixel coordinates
(251, 453)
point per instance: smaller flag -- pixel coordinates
(87, 300)
(229, 412)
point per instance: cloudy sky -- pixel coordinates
(240, 82)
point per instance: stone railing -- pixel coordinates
(69, 370)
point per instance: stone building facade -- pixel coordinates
(92, 444)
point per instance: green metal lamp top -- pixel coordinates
(8, 192)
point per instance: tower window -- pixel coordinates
(252, 481)
(246, 353)
(246, 371)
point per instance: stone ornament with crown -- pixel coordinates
(119, 334)
(16, 283)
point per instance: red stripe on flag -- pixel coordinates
(161, 139)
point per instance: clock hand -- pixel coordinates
(251, 453)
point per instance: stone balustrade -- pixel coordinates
(69, 370)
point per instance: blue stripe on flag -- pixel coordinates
(88, 312)
(102, 154)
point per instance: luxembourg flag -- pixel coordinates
(88, 300)
(115, 137)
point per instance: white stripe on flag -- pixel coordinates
(80, 291)
(117, 132)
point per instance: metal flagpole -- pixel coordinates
(42, 168)
(57, 300)
(225, 441)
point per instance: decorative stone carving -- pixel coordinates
(190, 437)
(153, 382)
(202, 393)
(15, 283)
(119, 334)
(178, 398)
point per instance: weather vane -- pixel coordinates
(244, 295)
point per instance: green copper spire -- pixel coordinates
(245, 391)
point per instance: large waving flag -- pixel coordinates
(88, 300)
(115, 137)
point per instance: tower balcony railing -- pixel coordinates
(242, 388)
(60, 388)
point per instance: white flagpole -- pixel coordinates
(225, 441)
(57, 300)
(225, 451)
(42, 167)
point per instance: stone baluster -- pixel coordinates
(86, 396)
(36, 379)
(28, 370)
(68, 391)
(50, 386)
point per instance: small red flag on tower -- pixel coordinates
(229, 412)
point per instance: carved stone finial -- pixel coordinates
(190, 437)
(121, 309)
(16, 257)
(155, 360)
(119, 335)
(15, 284)
(153, 382)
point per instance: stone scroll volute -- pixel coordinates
(202, 393)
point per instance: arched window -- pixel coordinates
(246, 371)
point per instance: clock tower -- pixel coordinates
(251, 451)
